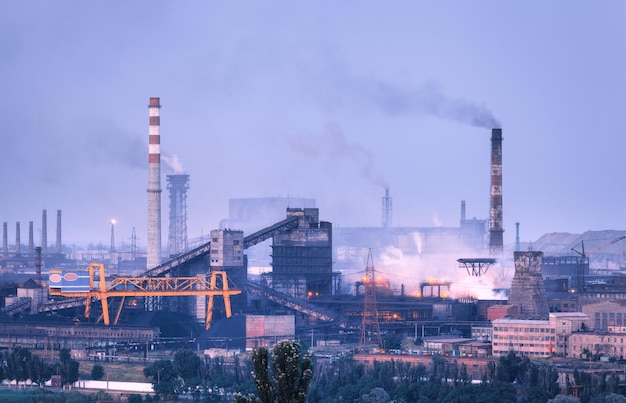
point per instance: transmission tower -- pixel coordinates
(370, 328)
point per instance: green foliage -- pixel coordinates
(165, 381)
(97, 372)
(68, 368)
(134, 398)
(287, 381)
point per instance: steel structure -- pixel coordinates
(149, 287)
(177, 239)
(476, 266)
(370, 325)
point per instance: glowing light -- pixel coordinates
(113, 221)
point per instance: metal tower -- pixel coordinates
(370, 327)
(177, 240)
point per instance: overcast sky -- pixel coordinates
(331, 100)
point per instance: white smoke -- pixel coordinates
(173, 163)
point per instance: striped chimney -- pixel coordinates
(154, 185)
(496, 227)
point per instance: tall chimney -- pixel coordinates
(44, 232)
(387, 207)
(496, 228)
(38, 264)
(31, 238)
(462, 212)
(5, 239)
(154, 185)
(177, 239)
(517, 243)
(59, 248)
(18, 242)
(112, 248)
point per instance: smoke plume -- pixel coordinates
(173, 163)
(333, 145)
(430, 100)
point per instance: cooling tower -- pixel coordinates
(496, 227)
(154, 185)
(177, 239)
(527, 290)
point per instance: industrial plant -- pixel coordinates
(250, 283)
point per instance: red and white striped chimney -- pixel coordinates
(154, 185)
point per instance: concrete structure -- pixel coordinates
(496, 221)
(18, 242)
(593, 345)
(536, 338)
(31, 238)
(177, 238)
(527, 289)
(264, 330)
(154, 185)
(606, 313)
(5, 239)
(227, 255)
(302, 257)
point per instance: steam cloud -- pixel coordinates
(333, 145)
(173, 163)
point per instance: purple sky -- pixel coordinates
(327, 100)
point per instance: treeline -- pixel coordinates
(510, 379)
(210, 380)
(20, 365)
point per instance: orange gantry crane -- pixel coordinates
(76, 285)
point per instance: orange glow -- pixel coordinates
(417, 294)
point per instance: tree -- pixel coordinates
(68, 368)
(97, 372)
(288, 379)
(165, 381)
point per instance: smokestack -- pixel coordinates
(154, 185)
(38, 264)
(517, 244)
(44, 232)
(177, 240)
(5, 239)
(59, 248)
(387, 207)
(496, 228)
(462, 212)
(31, 238)
(112, 236)
(18, 246)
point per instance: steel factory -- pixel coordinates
(251, 283)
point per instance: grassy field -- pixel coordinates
(116, 371)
